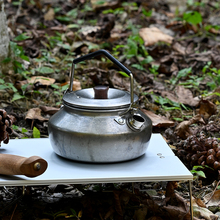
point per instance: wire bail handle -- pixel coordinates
(114, 60)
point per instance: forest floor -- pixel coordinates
(175, 58)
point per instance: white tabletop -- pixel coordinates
(158, 164)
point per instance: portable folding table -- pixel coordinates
(159, 163)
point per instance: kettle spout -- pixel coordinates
(136, 122)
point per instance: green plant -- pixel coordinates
(147, 13)
(182, 73)
(86, 8)
(57, 214)
(74, 214)
(59, 91)
(194, 3)
(197, 171)
(192, 82)
(209, 26)
(70, 16)
(154, 70)
(36, 133)
(116, 11)
(10, 87)
(130, 6)
(192, 17)
(19, 55)
(134, 49)
(213, 74)
(169, 105)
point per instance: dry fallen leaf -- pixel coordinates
(49, 110)
(154, 35)
(182, 95)
(46, 81)
(212, 95)
(35, 113)
(212, 199)
(76, 85)
(179, 48)
(86, 30)
(185, 96)
(49, 15)
(199, 202)
(140, 214)
(207, 108)
(183, 130)
(175, 212)
(203, 213)
(157, 120)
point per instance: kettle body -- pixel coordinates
(97, 137)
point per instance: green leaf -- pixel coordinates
(6, 60)
(178, 119)
(212, 85)
(181, 73)
(73, 26)
(198, 173)
(138, 66)
(17, 64)
(132, 48)
(45, 70)
(56, 93)
(73, 212)
(73, 13)
(101, 2)
(23, 130)
(36, 133)
(192, 17)
(108, 11)
(15, 127)
(23, 57)
(147, 60)
(21, 37)
(63, 18)
(17, 96)
(123, 73)
(16, 3)
(65, 87)
(10, 85)
(198, 167)
(147, 13)
(184, 72)
(2, 87)
(55, 86)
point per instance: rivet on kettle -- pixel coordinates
(120, 120)
(136, 121)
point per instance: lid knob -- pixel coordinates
(101, 92)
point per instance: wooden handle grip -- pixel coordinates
(17, 165)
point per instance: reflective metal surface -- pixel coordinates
(85, 99)
(96, 137)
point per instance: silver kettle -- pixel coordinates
(101, 124)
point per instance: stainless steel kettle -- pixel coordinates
(101, 124)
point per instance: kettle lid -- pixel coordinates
(85, 99)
